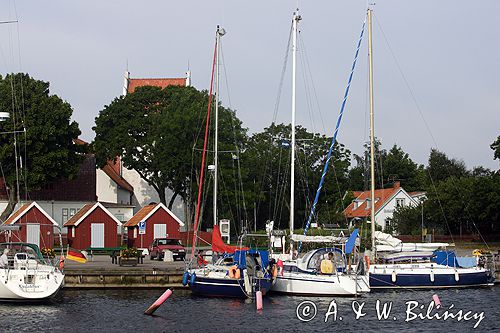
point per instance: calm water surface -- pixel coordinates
(122, 311)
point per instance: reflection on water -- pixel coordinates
(122, 311)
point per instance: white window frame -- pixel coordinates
(65, 215)
(73, 231)
(135, 232)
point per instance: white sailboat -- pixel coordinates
(415, 265)
(25, 275)
(301, 276)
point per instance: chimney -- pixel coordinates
(397, 184)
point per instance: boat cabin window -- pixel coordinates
(315, 260)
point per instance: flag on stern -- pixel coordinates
(76, 255)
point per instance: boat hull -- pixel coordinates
(296, 283)
(425, 277)
(226, 287)
(42, 285)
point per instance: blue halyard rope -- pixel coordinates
(334, 139)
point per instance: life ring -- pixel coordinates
(61, 263)
(234, 272)
(367, 260)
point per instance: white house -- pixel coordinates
(386, 202)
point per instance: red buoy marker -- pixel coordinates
(436, 300)
(158, 302)
(258, 298)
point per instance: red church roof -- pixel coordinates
(162, 83)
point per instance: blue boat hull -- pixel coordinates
(476, 279)
(233, 288)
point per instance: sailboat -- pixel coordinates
(303, 276)
(27, 276)
(24, 274)
(415, 265)
(239, 272)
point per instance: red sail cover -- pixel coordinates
(218, 244)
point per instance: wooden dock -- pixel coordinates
(102, 273)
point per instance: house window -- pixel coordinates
(135, 232)
(65, 215)
(73, 229)
(400, 202)
(72, 212)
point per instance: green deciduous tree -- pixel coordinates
(46, 149)
(159, 133)
(496, 148)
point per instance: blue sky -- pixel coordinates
(446, 50)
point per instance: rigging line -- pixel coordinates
(334, 139)
(245, 213)
(306, 58)
(283, 72)
(306, 85)
(195, 228)
(421, 115)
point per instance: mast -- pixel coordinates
(296, 19)
(372, 133)
(220, 32)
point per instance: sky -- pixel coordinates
(436, 71)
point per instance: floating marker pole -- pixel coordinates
(436, 300)
(258, 298)
(158, 302)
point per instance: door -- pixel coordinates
(33, 233)
(97, 235)
(160, 231)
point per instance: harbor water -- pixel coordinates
(122, 311)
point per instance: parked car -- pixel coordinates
(159, 245)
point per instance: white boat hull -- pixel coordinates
(299, 283)
(30, 285)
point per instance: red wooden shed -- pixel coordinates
(159, 221)
(36, 226)
(93, 226)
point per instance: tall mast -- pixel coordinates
(296, 19)
(220, 32)
(372, 133)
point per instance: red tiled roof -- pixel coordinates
(381, 197)
(79, 142)
(109, 169)
(162, 83)
(21, 211)
(140, 215)
(78, 215)
(412, 194)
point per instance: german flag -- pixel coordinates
(76, 256)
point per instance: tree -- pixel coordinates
(496, 148)
(360, 175)
(159, 133)
(46, 149)
(398, 165)
(269, 155)
(441, 167)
